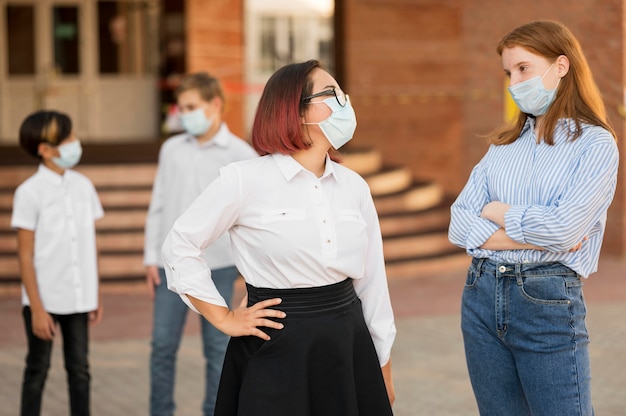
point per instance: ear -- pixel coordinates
(217, 103)
(562, 65)
(46, 151)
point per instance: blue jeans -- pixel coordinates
(526, 343)
(169, 316)
(74, 328)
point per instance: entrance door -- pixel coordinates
(91, 59)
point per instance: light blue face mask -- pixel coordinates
(196, 122)
(339, 127)
(532, 97)
(70, 154)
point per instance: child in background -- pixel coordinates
(54, 212)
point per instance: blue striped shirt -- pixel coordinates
(558, 195)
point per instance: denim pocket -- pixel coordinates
(471, 278)
(551, 290)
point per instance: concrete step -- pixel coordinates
(419, 197)
(363, 161)
(389, 181)
(434, 219)
(114, 219)
(111, 266)
(100, 175)
(414, 268)
(416, 246)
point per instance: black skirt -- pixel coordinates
(322, 363)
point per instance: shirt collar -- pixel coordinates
(561, 124)
(290, 167)
(220, 139)
(51, 176)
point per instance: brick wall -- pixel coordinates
(426, 81)
(214, 32)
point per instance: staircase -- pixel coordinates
(413, 216)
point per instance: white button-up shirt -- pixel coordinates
(289, 229)
(61, 210)
(185, 169)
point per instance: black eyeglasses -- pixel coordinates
(340, 96)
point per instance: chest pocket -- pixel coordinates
(349, 215)
(283, 215)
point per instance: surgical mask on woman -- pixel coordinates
(196, 122)
(339, 127)
(70, 154)
(532, 97)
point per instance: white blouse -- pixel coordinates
(288, 229)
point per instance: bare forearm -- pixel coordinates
(500, 241)
(386, 370)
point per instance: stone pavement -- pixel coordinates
(428, 363)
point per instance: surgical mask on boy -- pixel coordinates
(339, 127)
(70, 154)
(532, 97)
(196, 122)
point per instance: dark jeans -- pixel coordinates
(74, 328)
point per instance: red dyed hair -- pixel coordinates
(277, 126)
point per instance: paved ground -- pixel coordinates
(429, 368)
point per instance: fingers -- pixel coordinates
(266, 303)
(249, 320)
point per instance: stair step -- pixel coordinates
(414, 268)
(100, 175)
(437, 218)
(389, 181)
(119, 198)
(364, 162)
(421, 196)
(112, 267)
(421, 245)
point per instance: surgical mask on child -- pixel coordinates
(339, 127)
(196, 122)
(70, 154)
(532, 97)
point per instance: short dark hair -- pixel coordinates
(43, 126)
(277, 126)
(207, 85)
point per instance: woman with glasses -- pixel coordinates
(532, 216)
(314, 334)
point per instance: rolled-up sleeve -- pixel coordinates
(467, 229)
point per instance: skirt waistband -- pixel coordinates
(521, 269)
(308, 300)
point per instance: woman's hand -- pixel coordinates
(243, 320)
(579, 245)
(247, 320)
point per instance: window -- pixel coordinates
(21, 39)
(291, 38)
(65, 35)
(123, 31)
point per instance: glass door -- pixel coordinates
(91, 59)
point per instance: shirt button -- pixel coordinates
(328, 241)
(502, 269)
